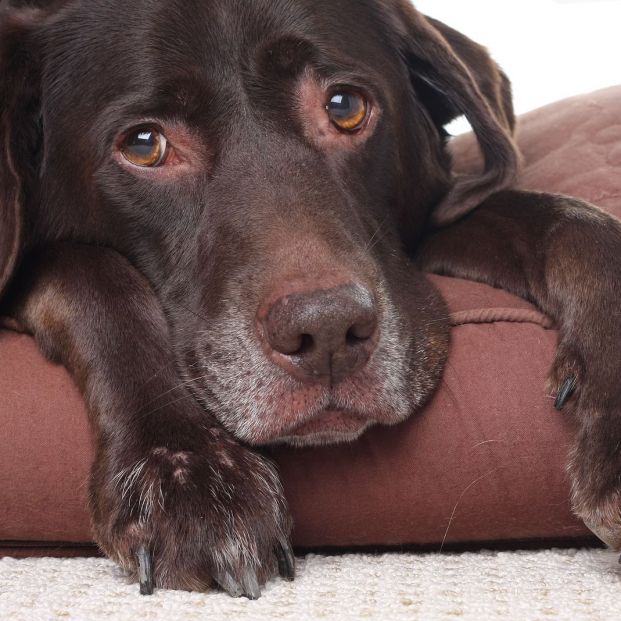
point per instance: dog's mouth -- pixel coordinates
(262, 402)
(327, 427)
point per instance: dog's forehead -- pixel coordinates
(142, 40)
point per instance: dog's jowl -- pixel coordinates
(216, 214)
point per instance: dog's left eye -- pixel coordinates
(145, 147)
(347, 110)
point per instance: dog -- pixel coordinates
(217, 214)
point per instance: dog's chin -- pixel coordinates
(328, 427)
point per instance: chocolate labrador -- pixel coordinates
(217, 214)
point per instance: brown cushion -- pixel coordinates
(484, 461)
(570, 147)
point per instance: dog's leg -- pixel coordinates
(168, 482)
(565, 256)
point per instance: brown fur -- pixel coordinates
(155, 288)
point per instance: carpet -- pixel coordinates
(571, 585)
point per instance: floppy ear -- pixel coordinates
(19, 130)
(453, 75)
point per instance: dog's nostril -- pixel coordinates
(352, 340)
(306, 345)
(360, 332)
(286, 341)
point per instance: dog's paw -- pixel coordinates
(596, 490)
(586, 378)
(211, 511)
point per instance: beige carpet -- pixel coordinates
(570, 585)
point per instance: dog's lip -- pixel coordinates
(330, 421)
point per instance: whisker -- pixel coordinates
(197, 315)
(189, 395)
(147, 382)
(484, 442)
(371, 243)
(182, 384)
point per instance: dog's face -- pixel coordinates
(269, 166)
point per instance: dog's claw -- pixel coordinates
(252, 590)
(565, 392)
(286, 561)
(249, 586)
(229, 584)
(145, 571)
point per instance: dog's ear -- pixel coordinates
(19, 128)
(454, 76)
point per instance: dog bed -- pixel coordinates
(483, 462)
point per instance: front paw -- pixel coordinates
(595, 471)
(585, 378)
(206, 511)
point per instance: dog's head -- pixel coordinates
(269, 166)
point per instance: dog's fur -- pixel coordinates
(154, 287)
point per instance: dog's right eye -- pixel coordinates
(145, 147)
(348, 110)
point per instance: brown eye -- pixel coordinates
(145, 147)
(347, 110)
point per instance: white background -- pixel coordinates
(550, 49)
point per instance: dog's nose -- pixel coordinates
(323, 335)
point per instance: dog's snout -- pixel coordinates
(323, 335)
